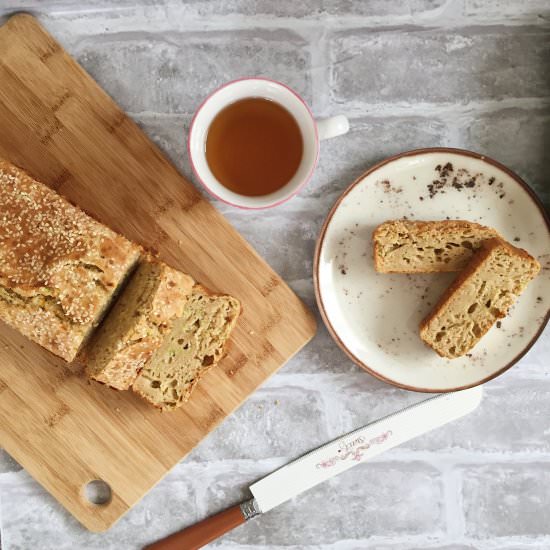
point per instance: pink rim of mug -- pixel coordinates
(206, 186)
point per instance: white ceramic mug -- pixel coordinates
(312, 132)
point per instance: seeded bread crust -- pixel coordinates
(404, 246)
(480, 295)
(143, 315)
(195, 345)
(59, 268)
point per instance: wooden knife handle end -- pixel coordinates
(207, 530)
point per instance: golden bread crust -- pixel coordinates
(506, 286)
(59, 268)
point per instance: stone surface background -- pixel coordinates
(409, 74)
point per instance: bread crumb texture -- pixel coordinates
(496, 275)
(403, 246)
(195, 344)
(145, 312)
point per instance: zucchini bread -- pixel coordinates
(195, 344)
(403, 246)
(145, 312)
(59, 268)
(496, 275)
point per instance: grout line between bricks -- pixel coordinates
(357, 111)
(319, 67)
(441, 459)
(447, 18)
(324, 382)
(406, 542)
(454, 504)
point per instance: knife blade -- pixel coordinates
(328, 461)
(360, 445)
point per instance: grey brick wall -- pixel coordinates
(408, 73)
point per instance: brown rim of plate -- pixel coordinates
(537, 202)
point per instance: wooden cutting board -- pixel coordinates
(57, 123)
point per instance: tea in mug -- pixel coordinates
(254, 146)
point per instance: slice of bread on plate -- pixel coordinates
(195, 344)
(495, 276)
(134, 329)
(59, 268)
(404, 246)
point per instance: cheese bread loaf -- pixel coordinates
(59, 268)
(496, 275)
(145, 312)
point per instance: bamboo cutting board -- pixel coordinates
(58, 124)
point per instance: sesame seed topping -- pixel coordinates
(53, 256)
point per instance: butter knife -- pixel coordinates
(326, 462)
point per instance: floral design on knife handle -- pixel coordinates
(353, 450)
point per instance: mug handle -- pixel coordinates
(332, 127)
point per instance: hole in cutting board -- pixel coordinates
(98, 492)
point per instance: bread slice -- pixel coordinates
(403, 246)
(59, 268)
(145, 312)
(195, 344)
(481, 294)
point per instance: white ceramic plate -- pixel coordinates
(374, 317)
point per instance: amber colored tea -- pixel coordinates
(254, 146)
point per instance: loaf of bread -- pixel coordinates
(403, 246)
(195, 344)
(496, 275)
(143, 315)
(59, 268)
